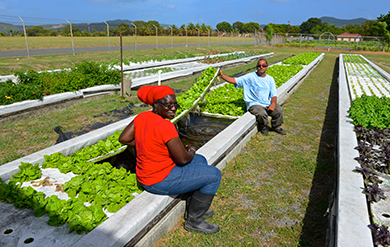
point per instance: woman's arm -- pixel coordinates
(179, 154)
(128, 135)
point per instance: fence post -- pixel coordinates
(171, 36)
(71, 34)
(218, 37)
(208, 37)
(186, 38)
(122, 93)
(254, 40)
(198, 36)
(135, 47)
(156, 36)
(25, 37)
(108, 36)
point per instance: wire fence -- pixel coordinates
(324, 41)
(214, 37)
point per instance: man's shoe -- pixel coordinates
(264, 131)
(280, 131)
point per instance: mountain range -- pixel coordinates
(101, 26)
(342, 22)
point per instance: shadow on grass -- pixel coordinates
(315, 230)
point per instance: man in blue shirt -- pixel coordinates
(260, 97)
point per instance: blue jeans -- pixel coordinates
(196, 175)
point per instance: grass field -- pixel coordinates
(19, 43)
(274, 193)
(8, 65)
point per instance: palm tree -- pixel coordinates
(191, 28)
(175, 30)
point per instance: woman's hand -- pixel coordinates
(179, 153)
(190, 148)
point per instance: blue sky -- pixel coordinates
(178, 12)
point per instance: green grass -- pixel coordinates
(8, 65)
(19, 43)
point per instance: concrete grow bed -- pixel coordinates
(52, 103)
(144, 219)
(350, 211)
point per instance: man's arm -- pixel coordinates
(227, 78)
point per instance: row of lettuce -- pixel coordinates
(97, 187)
(371, 120)
(228, 100)
(360, 46)
(32, 85)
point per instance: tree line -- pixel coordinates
(380, 27)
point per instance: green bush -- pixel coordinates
(11, 92)
(33, 85)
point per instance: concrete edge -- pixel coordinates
(170, 62)
(66, 147)
(352, 215)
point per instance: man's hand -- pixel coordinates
(226, 78)
(271, 107)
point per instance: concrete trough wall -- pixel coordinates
(350, 209)
(129, 221)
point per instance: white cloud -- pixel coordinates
(168, 5)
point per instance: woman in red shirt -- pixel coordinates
(164, 165)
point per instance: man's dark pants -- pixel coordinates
(261, 113)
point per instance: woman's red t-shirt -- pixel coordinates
(154, 162)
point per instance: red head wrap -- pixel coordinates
(149, 94)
